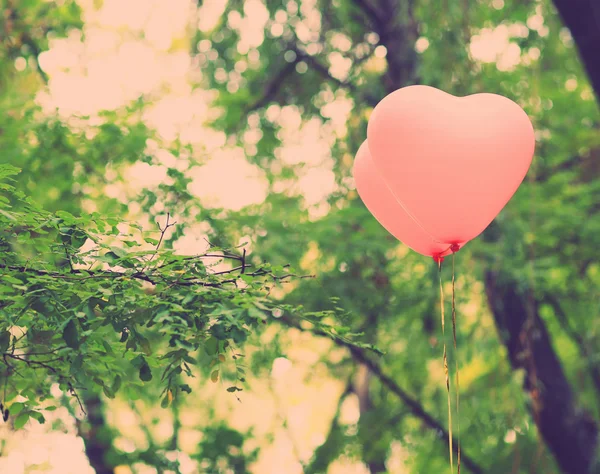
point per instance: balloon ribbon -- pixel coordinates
(446, 371)
(456, 361)
(439, 261)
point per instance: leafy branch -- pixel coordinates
(99, 309)
(359, 354)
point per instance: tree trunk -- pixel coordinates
(569, 432)
(394, 23)
(582, 17)
(96, 434)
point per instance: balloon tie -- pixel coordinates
(439, 259)
(439, 262)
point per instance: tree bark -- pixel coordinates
(95, 434)
(582, 17)
(394, 23)
(569, 432)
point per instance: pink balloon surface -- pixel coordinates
(450, 163)
(381, 203)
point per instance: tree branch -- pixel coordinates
(272, 87)
(371, 11)
(37, 364)
(582, 17)
(81, 275)
(359, 355)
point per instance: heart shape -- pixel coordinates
(450, 163)
(381, 203)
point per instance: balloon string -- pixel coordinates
(439, 261)
(456, 360)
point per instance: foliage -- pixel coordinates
(93, 300)
(80, 296)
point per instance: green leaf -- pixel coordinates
(247, 279)
(131, 344)
(215, 375)
(144, 344)
(116, 384)
(118, 251)
(185, 388)
(21, 420)
(107, 347)
(70, 335)
(11, 279)
(76, 364)
(145, 372)
(38, 416)
(16, 408)
(238, 335)
(211, 346)
(4, 341)
(234, 389)
(218, 331)
(7, 170)
(65, 216)
(165, 401)
(184, 344)
(78, 238)
(111, 257)
(138, 361)
(108, 392)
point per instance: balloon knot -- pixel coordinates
(438, 258)
(455, 248)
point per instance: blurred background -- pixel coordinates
(241, 119)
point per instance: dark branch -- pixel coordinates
(272, 87)
(162, 236)
(371, 11)
(582, 17)
(37, 364)
(359, 355)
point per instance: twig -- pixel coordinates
(36, 364)
(272, 87)
(68, 255)
(162, 236)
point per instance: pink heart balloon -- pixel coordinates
(451, 163)
(381, 203)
